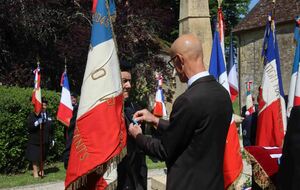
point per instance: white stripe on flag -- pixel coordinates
(95, 88)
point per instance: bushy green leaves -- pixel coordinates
(15, 106)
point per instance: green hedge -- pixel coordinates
(15, 107)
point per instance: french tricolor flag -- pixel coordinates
(232, 73)
(36, 94)
(65, 108)
(271, 124)
(233, 164)
(159, 109)
(294, 92)
(100, 134)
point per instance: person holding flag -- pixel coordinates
(249, 112)
(132, 170)
(271, 124)
(41, 133)
(193, 140)
(100, 134)
(39, 128)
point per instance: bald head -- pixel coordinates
(188, 48)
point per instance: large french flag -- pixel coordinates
(250, 109)
(294, 92)
(100, 134)
(65, 108)
(272, 113)
(232, 73)
(159, 109)
(233, 164)
(36, 94)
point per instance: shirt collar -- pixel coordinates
(197, 76)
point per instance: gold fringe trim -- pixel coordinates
(100, 170)
(112, 186)
(259, 175)
(236, 181)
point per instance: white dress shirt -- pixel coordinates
(197, 76)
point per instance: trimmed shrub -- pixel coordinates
(15, 106)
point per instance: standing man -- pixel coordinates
(40, 135)
(69, 132)
(193, 141)
(132, 170)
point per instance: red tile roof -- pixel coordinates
(285, 11)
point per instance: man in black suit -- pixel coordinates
(193, 141)
(69, 132)
(289, 169)
(132, 170)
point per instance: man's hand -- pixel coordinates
(145, 115)
(134, 130)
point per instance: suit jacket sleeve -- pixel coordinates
(162, 125)
(30, 123)
(175, 136)
(151, 146)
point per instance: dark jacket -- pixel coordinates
(36, 151)
(34, 131)
(289, 169)
(193, 142)
(69, 133)
(132, 170)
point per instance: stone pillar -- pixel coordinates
(194, 18)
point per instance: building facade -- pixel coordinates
(250, 33)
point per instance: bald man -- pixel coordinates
(193, 141)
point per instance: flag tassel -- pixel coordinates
(100, 170)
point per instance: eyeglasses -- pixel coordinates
(171, 62)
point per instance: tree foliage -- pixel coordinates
(52, 30)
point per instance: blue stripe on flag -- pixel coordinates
(112, 7)
(101, 30)
(217, 65)
(66, 82)
(297, 50)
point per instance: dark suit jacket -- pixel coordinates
(289, 169)
(193, 143)
(69, 133)
(132, 170)
(34, 131)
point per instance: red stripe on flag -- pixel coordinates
(99, 136)
(95, 2)
(233, 164)
(297, 101)
(64, 114)
(37, 104)
(158, 109)
(270, 126)
(234, 93)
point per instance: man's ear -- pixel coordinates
(181, 64)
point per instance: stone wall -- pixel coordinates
(250, 62)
